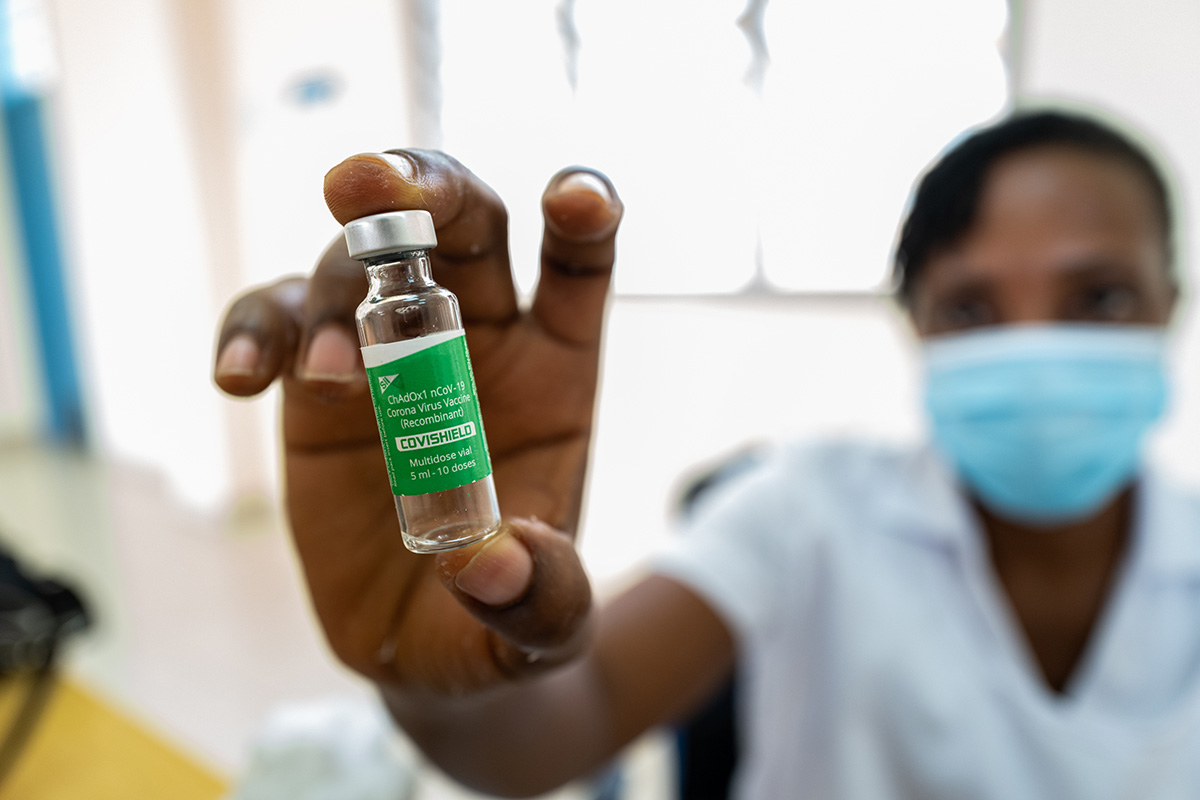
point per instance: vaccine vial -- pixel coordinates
(415, 352)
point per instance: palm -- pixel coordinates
(536, 396)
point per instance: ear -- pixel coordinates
(1172, 300)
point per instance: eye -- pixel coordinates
(960, 313)
(1108, 302)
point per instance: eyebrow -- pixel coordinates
(1097, 267)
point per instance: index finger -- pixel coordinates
(471, 258)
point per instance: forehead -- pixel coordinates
(1039, 202)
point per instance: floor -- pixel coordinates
(82, 748)
(203, 626)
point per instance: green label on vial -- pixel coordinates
(428, 413)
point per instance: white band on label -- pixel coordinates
(376, 355)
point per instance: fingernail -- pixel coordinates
(399, 164)
(238, 358)
(332, 356)
(499, 573)
(580, 181)
(581, 206)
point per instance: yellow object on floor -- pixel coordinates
(84, 749)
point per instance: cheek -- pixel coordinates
(920, 316)
(1157, 276)
(920, 303)
(914, 312)
(1159, 293)
(1165, 304)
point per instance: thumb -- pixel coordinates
(528, 586)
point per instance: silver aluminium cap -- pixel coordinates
(391, 232)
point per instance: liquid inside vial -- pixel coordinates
(449, 519)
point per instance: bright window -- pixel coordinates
(792, 181)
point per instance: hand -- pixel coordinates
(469, 619)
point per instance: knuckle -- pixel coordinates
(244, 308)
(351, 652)
(554, 618)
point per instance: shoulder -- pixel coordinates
(758, 537)
(791, 476)
(782, 504)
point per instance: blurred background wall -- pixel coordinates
(764, 152)
(192, 140)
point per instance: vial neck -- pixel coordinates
(397, 273)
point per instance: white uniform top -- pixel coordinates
(879, 658)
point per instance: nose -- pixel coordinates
(1025, 297)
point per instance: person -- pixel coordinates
(1007, 611)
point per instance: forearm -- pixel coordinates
(658, 653)
(518, 740)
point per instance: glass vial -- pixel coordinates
(415, 352)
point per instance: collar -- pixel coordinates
(1167, 520)
(928, 505)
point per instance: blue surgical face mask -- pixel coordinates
(1044, 423)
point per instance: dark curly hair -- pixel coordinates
(946, 198)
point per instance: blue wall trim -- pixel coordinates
(30, 169)
(37, 224)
